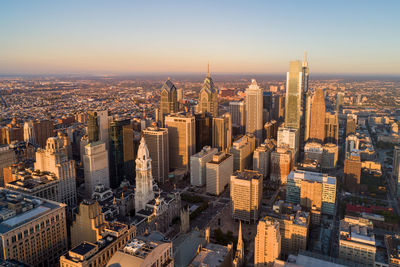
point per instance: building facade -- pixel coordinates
(218, 171)
(254, 110)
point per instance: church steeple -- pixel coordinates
(239, 255)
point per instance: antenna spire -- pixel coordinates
(305, 63)
(208, 69)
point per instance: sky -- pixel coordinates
(260, 37)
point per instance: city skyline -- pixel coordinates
(260, 38)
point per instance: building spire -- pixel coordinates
(305, 63)
(208, 69)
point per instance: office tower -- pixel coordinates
(35, 183)
(289, 137)
(96, 168)
(392, 243)
(86, 254)
(222, 132)
(203, 123)
(179, 94)
(339, 102)
(267, 106)
(218, 171)
(121, 152)
(294, 85)
(357, 241)
(89, 223)
(317, 122)
(93, 127)
(238, 259)
(169, 100)
(331, 128)
(352, 144)
(54, 159)
(330, 156)
(313, 151)
(278, 107)
(144, 251)
(312, 189)
(352, 172)
(305, 113)
(307, 118)
(237, 109)
(261, 158)
(43, 130)
(242, 151)
(351, 124)
(246, 195)
(267, 244)
(157, 143)
(254, 110)
(182, 138)
(271, 130)
(198, 165)
(34, 230)
(281, 164)
(293, 225)
(396, 168)
(29, 132)
(144, 179)
(7, 158)
(208, 98)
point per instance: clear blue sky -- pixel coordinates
(355, 37)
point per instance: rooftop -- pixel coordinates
(247, 175)
(212, 256)
(312, 176)
(358, 230)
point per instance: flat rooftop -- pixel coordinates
(312, 176)
(212, 256)
(247, 174)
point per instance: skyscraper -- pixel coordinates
(121, 152)
(158, 145)
(237, 109)
(222, 132)
(317, 122)
(218, 171)
(331, 128)
(198, 165)
(396, 168)
(169, 99)
(29, 133)
(293, 101)
(93, 127)
(96, 167)
(182, 139)
(55, 159)
(144, 179)
(267, 244)
(242, 151)
(254, 110)
(208, 98)
(43, 130)
(305, 105)
(289, 137)
(278, 107)
(203, 123)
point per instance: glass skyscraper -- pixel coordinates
(294, 84)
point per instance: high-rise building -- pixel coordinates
(339, 102)
(54, 159)
(281, 164)
(307, 118)
(158, 145)
(267, 244)
(144, 179)
(203, 123)
(312, 189)
(93, 127)
(169, 100)
(95, 162)
(261, 158)
(278, 107)
(29, 132)
(208, 98)
(396, 168)
(43, 130)
(351, 124)
(198, 165)
(317, 122)
(357, 241)
(242, 151)
(254, 110)
(330, 156)
(246, 195)
(271, 130)
(237, 109)
(33, 230)
(294, 85)
(352, 172)
(267, 106)
(182, 140)
(352, 144)
(89, 223)
(121, 152)
(294, 226)
(7, 158)
(289, 137)
(179, 94)
(218, 171)
(331, 128)
(222, 132)
(305, 104)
